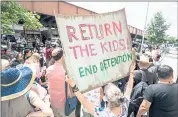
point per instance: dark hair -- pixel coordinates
(58, 56)
(137, 57)
(49, 39)
(25, 52)
(53, 45)
(143, 51)
(150, 59)
(17, 56)
(51, 62)
(42, 62)
(6, 56)
(157, 47)
(164, 71)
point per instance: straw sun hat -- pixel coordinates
(143, 59)
(16, 82)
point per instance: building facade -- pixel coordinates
(48, 9)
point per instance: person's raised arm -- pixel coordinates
(144, 107)
(38, 103)
(130, 82)
(81, 97)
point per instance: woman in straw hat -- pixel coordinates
(15, 83)
(146, 72)
(117, 105)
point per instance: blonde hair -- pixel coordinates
(113, 95)
(35, 58)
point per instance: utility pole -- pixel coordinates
(143, 37)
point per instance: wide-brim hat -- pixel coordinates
(16, 82)
(143, 59)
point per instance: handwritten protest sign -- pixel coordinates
(97, 48)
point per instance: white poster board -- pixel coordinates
(97, 47)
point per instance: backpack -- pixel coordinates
(137, 96)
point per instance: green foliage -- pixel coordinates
(170, 39)
(11, 12)
(156, 31)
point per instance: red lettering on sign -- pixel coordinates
(107, 29)
(115, 45)
(118, 27)
(82, 31)
(91, 34)
(103, 47)
(92, 49)
(84, 50)
(74, 51)
(122, 43)
(71, 34)
(100, 30)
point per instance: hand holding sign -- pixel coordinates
(70, 81)
(132, 67)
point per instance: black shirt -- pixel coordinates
(145, 76)
(164, 99)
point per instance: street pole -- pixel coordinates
(143, 37)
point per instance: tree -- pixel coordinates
(12, 12)
(170, 39)
(156, 31)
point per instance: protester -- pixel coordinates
(156, 54)
(27, 53)
(153, 68)
(43, 80)
(42, 93)
(34, 61)
(42, 61)
(117, 102)
(161, 100)
(56, 78)
(144, 74)
(15, 83)
(48, 51)
(149, 51)
(143, 78)
(7, 57)
(18, 60)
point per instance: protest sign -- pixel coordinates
(98, 48)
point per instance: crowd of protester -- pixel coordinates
(34, 85)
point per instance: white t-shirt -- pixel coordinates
(107, 112)
(34, 100)
(93, 97)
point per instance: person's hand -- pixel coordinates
(70, 81)
(63, 63)
(132, 67)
